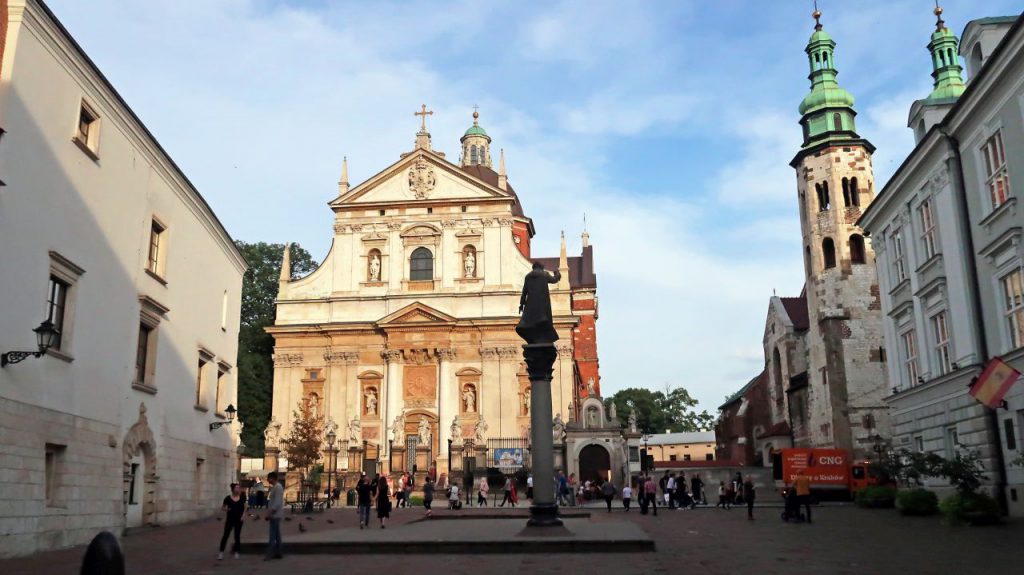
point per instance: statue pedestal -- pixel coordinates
(540, 361)
(271, 458)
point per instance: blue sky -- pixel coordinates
(671, 124)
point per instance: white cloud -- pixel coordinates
(613, 113)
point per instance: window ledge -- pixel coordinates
(201, 408)
(86, 149)
(929, 263)
(156, 276)
(143, 387)
(373, 284)
(469, 280)
(60, 355)
(1010, 205)
(898, 287)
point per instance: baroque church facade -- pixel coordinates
(403, 339)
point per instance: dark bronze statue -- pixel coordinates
(536, 324)
(103, 556)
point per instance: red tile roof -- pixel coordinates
(491, 177)
(796, 307)
(581, 268)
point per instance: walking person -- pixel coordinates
(383, 502)
(275, 513)
(453, 497)
(364, 499)
(651, 494)
(627, 496)
(428, 494)
(608, 491)
(508, 491)
(400, 491)
(802, 484)
(642, 492)
(748, 497)
(721, 495)
(529, 487)
(515, 494)
(670, 491)
(234, 508)
(697, 491)
(481, 493)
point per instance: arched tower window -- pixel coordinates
(854, 192)
(837, 121)
(777, 375)
(846, 192)
(857, 249)
(473, 159)
(828, 251)
(421, 265)
(824, 204)
(807, 260)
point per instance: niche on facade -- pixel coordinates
(469, 392)
(469, 262)
(374, 266)
(369, 397)
(470, 257)
(524, 401)
(313, 389)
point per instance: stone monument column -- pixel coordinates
(446, 408)
(393, 386)
(540, 359)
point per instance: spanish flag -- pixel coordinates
(993, 383)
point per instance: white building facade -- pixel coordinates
(946, 233)
(103, 235)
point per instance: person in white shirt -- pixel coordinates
(529, 487)
(670, 491)
(627, 496)
(453, 496)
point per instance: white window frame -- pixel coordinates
(942, 346)
(908, 354)
(899, 262)
(929, 241)
(992, 155)
(88, 142)
(1012, 306)
(157, 241)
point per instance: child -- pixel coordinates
(721, 495)
(627, 496)
(453, 497)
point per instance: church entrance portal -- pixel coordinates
(595, 463)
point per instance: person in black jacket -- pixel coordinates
(234, 508)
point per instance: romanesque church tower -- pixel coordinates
(846, 378)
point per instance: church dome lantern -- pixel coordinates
(476, 144)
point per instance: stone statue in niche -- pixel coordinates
(592, 417)
(557, 428)
(470, 264)
(314, 405)
(481, 430)
(469, 399)
(632, 420)
(355, 431)
(423, 429)
(370, 399)
(396, 429)
(526, 402)
(536, 324)
(374, 268)
(591, 387)
(455, 430)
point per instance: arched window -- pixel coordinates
(846, 192)
(807, 260)
(837, 121)
(777, 375)
(828, 251)
(483, 157)
(472, 156)
(803, 206)
(854, 192)
(824, 204)
(857, 249)
(975, 61)
(421, 265)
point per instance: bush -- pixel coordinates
(876, 497)
(970, 508)
(917, 502)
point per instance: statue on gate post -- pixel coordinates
(536, 325)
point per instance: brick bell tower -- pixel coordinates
(835, 183)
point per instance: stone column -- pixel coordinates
(564, 378)
(446, 408)
(540, 359)
(393, 385)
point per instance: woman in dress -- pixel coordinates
(234, 509)
(383, 502)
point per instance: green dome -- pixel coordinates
(819, 36)
(476, 130)
(826, 97)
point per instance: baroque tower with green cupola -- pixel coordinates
(476, 145)
(840, 400)
(947, 74)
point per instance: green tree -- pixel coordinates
(302, 444)
(660, 411)
(255, 345)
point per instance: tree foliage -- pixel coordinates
(304, 439)
(964, 471)
(658, 411)
(255, 346)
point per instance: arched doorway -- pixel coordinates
(595, 463)
(140, 477)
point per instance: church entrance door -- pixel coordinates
(595, 463)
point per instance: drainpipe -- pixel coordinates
(955, 166)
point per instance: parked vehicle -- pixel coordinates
(832, 471)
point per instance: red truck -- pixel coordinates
(832, 471)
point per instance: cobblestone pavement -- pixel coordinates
(842, 540)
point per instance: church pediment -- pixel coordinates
(416, 314)
(421, 175)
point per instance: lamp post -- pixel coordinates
(391, 455)
(229, 412)
(647, 453)
(449, 458)
(240, 451)
(331, 438)
(46, 337)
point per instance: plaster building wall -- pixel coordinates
(81, 212)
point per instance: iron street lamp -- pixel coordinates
(46, 337)
(229, 411)
(449, 459)
(331, 438)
